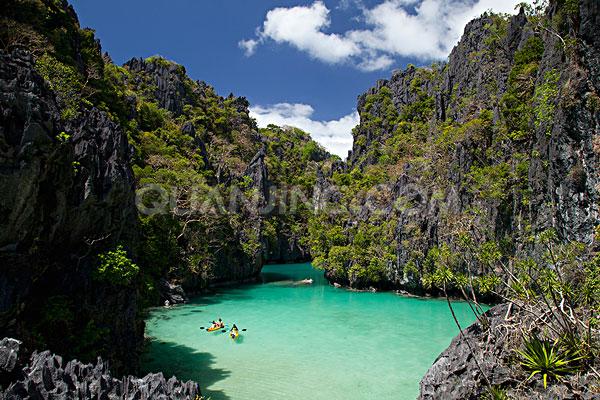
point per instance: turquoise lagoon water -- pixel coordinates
(302, 342)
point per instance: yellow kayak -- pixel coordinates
(212, 329)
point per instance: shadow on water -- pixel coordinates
(232, 294)
(186, 363)
(268, 277)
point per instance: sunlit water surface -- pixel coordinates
(302, 341)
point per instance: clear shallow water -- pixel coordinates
(302, 342)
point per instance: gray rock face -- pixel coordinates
(9, 354)
(47, 376)
(169, 89)
(257, 172)
(66, 193)
(458, 373)
(171, 292)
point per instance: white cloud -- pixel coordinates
(346, 4)
(334, 135)
(375, 63)
(302, 28)
(422, 29)
(249, 46)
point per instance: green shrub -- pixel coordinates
(150, 116)
(116, 267)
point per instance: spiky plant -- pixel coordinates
(495, 393)
(547, 359)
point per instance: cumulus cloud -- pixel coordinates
(302, 28)
(334, 135)
(422, 29)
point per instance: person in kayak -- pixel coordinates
(221, 323)
(234, 331)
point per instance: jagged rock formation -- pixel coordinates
(168, 85)
(66, 191)
(47, 376)
(499, 143)
(458, 373)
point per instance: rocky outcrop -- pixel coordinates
(47, 376)
(256, 171)
(171, 292)
(167, 83)
(66, 194)
(482, 355)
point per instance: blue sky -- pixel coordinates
(298, 62)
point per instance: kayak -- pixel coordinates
(212, 329)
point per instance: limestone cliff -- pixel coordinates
(67, 193)
(499, 143)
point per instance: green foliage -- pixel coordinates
(590, 288)
(58, 313)
(150, 116)
(495, 393)
(593, 102)
(361, 256)
(250, 241)
(64, 80)
(547, 359)
(63, 137)
(497, 31)
(76, 166)
(516, 103)
(490, 181)
(531, 52)
(292, 157)
(160, 249)
(421, 109)
(486, 284)
(311, 151)
(545, 98)
(116, 267)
